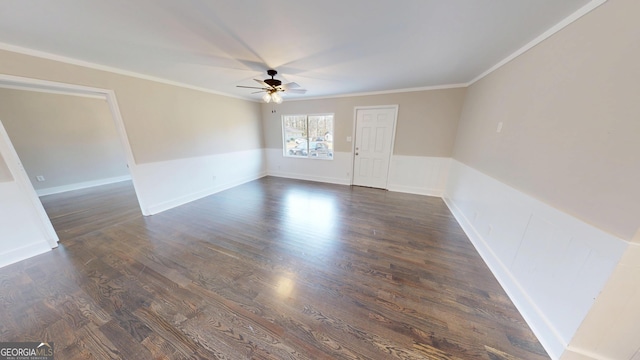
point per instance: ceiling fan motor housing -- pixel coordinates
(273, 86)
(273, 82)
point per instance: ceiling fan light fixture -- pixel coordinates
(273, 87)
(276, 98)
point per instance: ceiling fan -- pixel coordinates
(271, 88)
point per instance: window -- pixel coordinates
(308, 136)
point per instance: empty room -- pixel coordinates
(367, 179)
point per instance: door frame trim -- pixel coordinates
(353, 139)
(13, 162)
(20, 177)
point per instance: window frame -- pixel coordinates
(284, 136)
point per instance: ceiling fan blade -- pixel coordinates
(263, 83)
(251, 87)
(296, 91)
(290, 85)
(257, 92)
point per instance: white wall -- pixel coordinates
(21, 230)
(612, 327)
(552, 265)
(411, 174)
(419, 174)
(167, 184)
(24, 231)
(336, 171)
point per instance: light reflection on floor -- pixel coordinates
(316, 213)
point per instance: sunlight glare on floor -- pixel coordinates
(314, 213)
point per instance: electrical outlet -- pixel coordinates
(490, 230)
(213, 178)
(40, 178)
(499, 128)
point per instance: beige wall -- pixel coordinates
(163, 122)
(427, 120)
(571, 120)
(5, 174)
(67, 139)
(172, 123)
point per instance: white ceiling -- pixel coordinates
(329, 47)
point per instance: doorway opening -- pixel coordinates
(105, 157)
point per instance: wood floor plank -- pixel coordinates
(272, 269)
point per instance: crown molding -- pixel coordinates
(87, 64)
(384, 92)
(593, 4)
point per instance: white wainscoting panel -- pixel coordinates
(552, 265)
(82, 185)
(21, 232)
(336, 171)
(167, 184)
(410, 174)
(419, 174)
(610, 330)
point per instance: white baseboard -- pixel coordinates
(23, 252)
(552, 265)
(416, 190)
(81, 185)
(309, 177)
(577, 354)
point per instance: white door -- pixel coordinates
(375, 128)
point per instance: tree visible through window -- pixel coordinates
(308, 136)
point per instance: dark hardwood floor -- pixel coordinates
(273, 269)
(77, 213)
